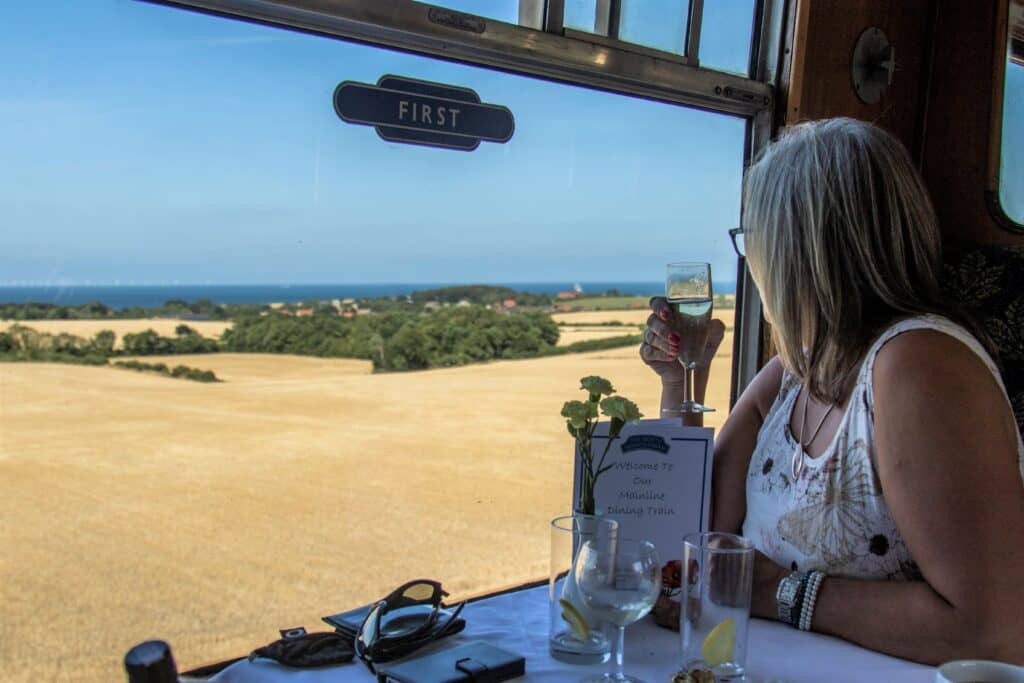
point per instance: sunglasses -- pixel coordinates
(405, 634)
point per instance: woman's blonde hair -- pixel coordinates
(842, 240)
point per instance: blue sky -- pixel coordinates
(145, 144)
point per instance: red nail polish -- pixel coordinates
(674, 338)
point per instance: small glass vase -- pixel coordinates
(575, 636)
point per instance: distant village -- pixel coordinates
(350, 308)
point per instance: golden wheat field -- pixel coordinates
(632, 317)
(571, 335)
(136, 506)
(89, 328)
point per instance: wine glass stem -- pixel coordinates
(617, 647)
(691, 376)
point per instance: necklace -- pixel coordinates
(797, 464)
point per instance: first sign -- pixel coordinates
(423, 113)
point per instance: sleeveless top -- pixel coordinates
(834, 517)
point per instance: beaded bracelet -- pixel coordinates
(810, 596)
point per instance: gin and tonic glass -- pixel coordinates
(575, 634)
(718, 573)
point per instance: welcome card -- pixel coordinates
(659, 485)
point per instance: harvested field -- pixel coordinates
(136, 506)
(571, 335)
(629, 320)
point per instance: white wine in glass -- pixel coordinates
(688, 290)
(619, 582)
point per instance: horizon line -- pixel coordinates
(326, 284)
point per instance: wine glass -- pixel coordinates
(619, 583)
(688, 290)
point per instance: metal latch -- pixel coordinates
(873, 65)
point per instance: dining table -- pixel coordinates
(518, 620)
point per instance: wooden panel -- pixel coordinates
(825, 33)
(940, 103)
(959, 121)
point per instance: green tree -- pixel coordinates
(409, 348)
(377, 344)
(146, 343)
(103, 343)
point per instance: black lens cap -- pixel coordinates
(151, 662)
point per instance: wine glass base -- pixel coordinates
(612, 678)
(694, 407)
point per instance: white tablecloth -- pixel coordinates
(518, 622)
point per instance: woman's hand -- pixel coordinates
(767, 576)
(662, 339)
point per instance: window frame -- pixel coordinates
(1002, 45)
(541, 47)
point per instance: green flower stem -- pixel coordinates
(599, 470)
(613, 432)
(587, 503)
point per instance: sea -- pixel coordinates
(148, 296)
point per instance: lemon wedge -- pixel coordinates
(575, 620)
(720, 645)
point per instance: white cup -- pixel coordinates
(967, 670)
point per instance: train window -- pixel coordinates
(249, 394)
(725, 36)
(725, 33)
(1011, 158)
(658, 25)
(580, 15)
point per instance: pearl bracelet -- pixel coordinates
(810, 596)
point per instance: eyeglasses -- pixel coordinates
(372, 646)
(736, 235)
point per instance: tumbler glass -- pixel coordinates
(718, 573)
(575, 635)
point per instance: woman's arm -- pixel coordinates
(947, 460)
(734, 446)
(735, 442)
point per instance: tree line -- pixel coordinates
(21, 343)
(172, 308)
(177, 372)
(396, 341)
(401, 341)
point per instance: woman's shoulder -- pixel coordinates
(928, 352)
(925, 347)
(907, 334)
(930, 379)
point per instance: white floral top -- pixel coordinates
(834, 517)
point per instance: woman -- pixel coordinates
(874, 462)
